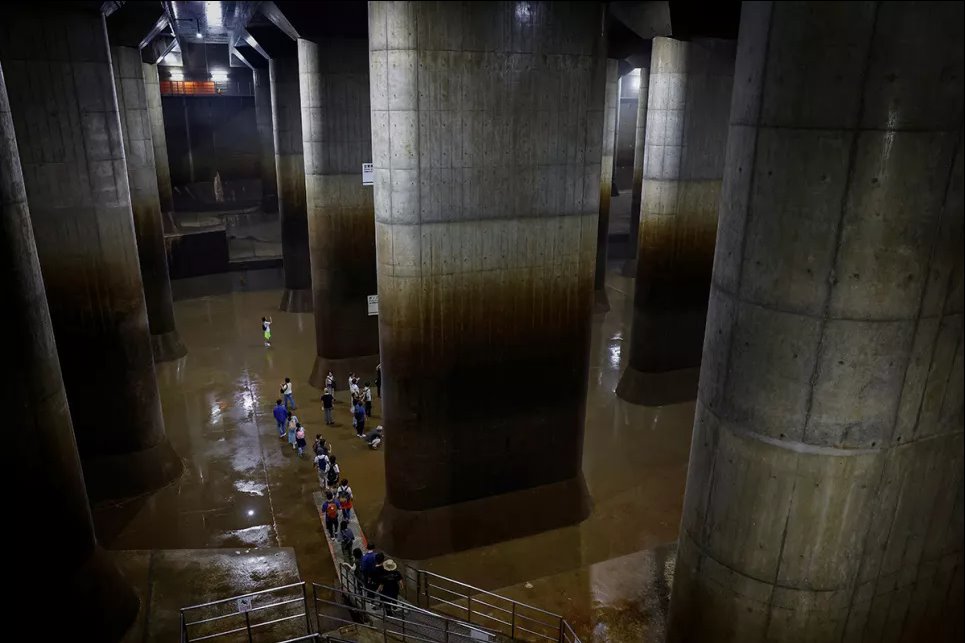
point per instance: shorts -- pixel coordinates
(267, 335)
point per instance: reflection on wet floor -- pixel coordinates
(244, 487)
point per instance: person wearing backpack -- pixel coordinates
(330, 511)
(345, 501)
(346, 538)
(332, 474)
(321, 462)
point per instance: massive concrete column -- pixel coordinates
(824, 497)
(290, 170)
(690, 89)
(59, 80)
(135, 117)
(155, 114)
(611, 106)
(486, 140)
(54, 511)
(640, 133)
(337, 139)
(266, 139)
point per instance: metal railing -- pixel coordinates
(393, 620)
(509, 618)
(280, 612)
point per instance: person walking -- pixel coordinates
(286, 391)
(321, 462)
(330, 511)
(330, 382)
(332, 473)
(346, 538)
(300, 440)
(281, 415)
(266, 329)
(389, 582)
(378, 379)
(345, 500)
(359, 420)
(367, 399)
(292, 428)
(328, 403)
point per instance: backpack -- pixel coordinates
(331, 511)
(332, 475)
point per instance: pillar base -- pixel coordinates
(629, 268)
(601, 303)
(658, 389)
(168, 347)
(102, 603)
(128, 475)
(427, 533)
(297, 301)
(364, 365)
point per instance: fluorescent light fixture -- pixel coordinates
(212, 13)
(219, 75)
(177, 74)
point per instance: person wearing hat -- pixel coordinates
(389, 582)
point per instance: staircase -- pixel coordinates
(431, 609)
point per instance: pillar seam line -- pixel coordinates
(859, 128)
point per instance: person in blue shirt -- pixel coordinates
(281, 416)
(367, 566)
(331, 510)
(359, 412)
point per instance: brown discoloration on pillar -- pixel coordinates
(45, 461)
(266, 139)
(486, 236)
(290, 172)
(336, 132)
(162, 168)
(611, 105)
(686, 131)
(76, 182)
(824, 496)
(139, 154)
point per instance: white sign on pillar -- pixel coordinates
(368, 176)
(373, 302)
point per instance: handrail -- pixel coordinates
(235, 598)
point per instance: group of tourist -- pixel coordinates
(378, 576)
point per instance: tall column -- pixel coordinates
(686, 136)
(487, 133)
(611, 106)
(266, 139)
(640, 133)
(58, 73)
(824, 497)
(155, 113)
(135, 119)
(337, 138)
(290, 169)
(54, 509)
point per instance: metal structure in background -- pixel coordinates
(431, 609)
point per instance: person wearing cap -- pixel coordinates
(389, 582)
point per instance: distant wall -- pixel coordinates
(219, 132)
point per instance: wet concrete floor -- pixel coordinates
(243, 487)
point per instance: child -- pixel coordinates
(292, 429)
(331, 475)
(300, 440)
(266, 329)
(346, 538)
(330, 511)
(345, 501)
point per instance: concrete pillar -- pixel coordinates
(824, 496)
(640, 133)
(686, 136)
(155, 113)
(58, 73)
(53, 510)
(337, 139)
(601, 303)
(266, 139)
(133, 109)
(290, 170)
(486, 141)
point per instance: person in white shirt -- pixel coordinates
(367, 399)
(286, 391)
(266, 329)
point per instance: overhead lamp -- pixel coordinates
(177, 74)
(219, 75)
